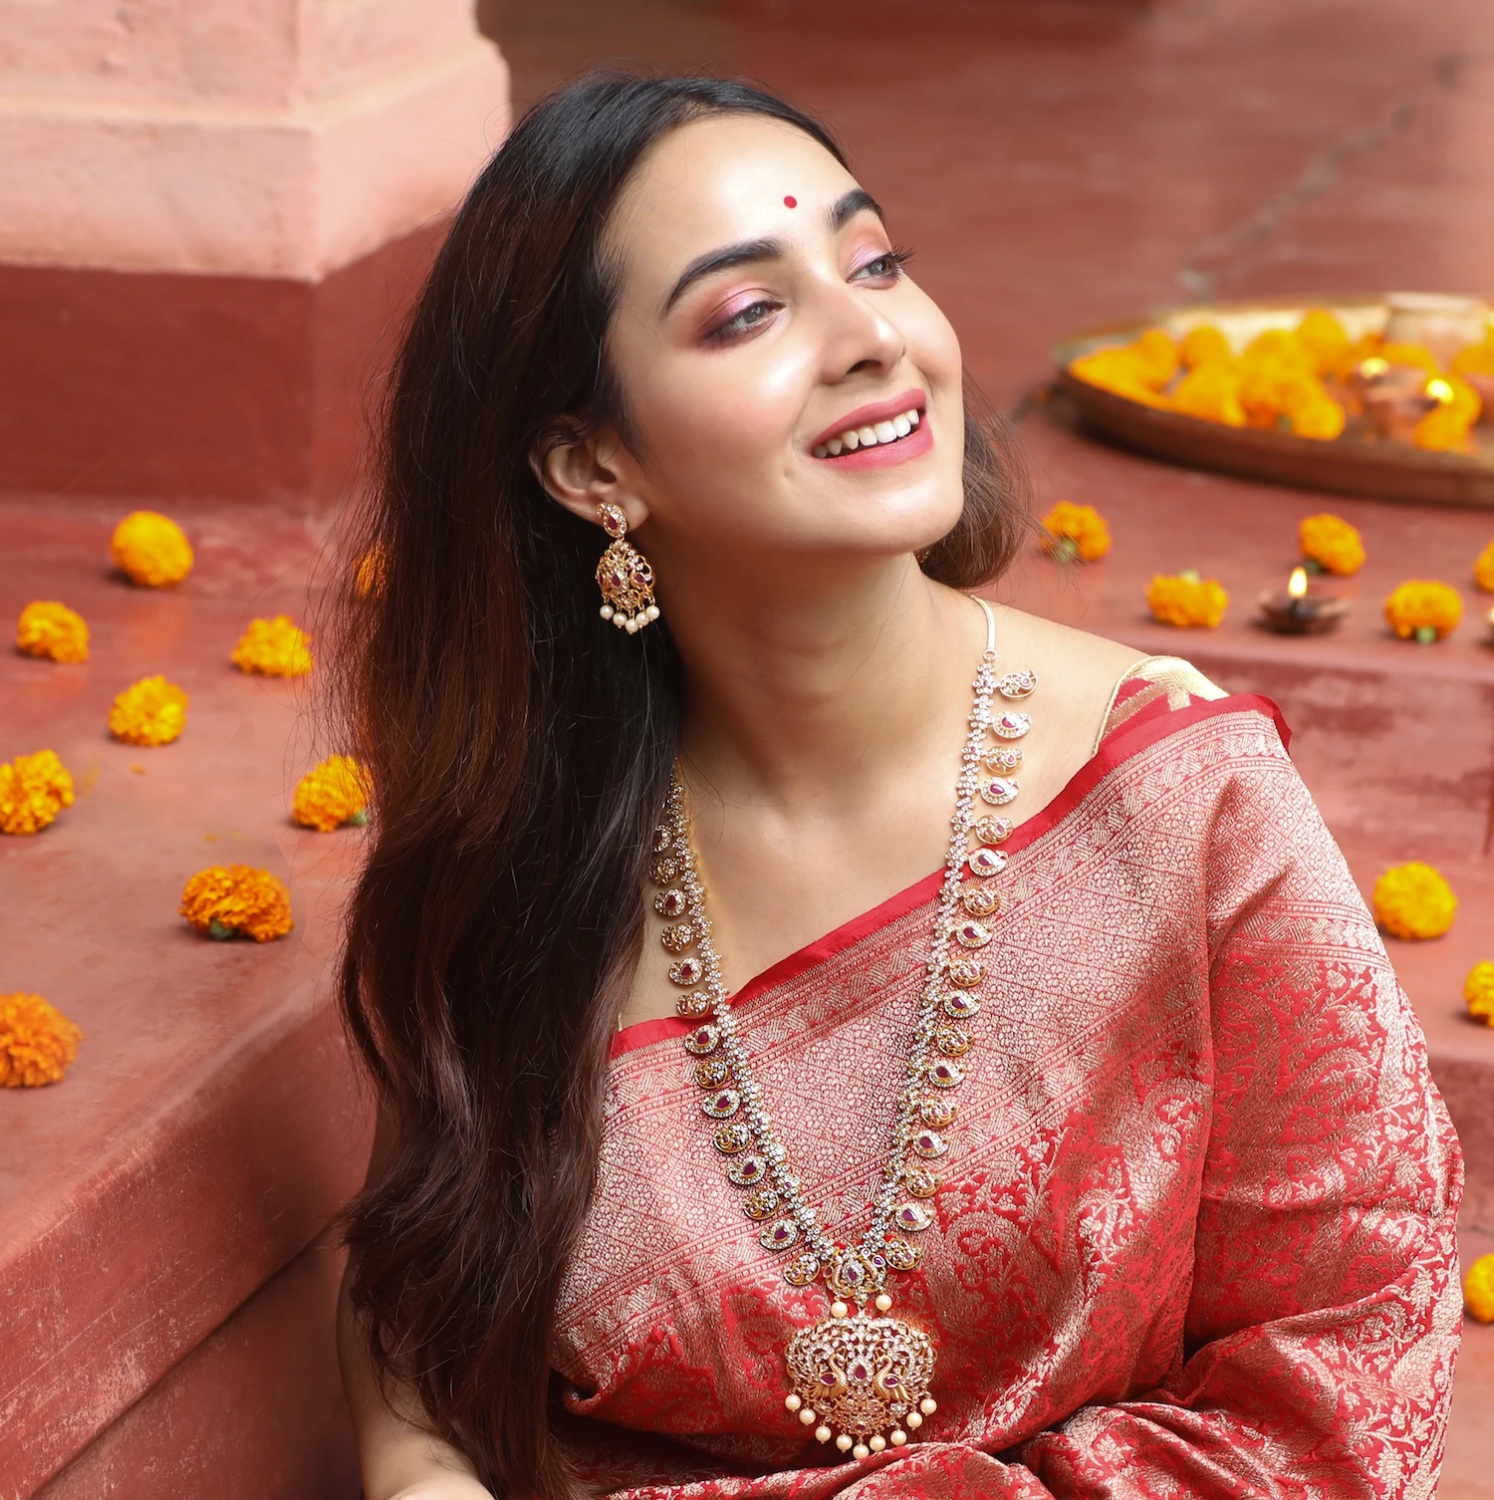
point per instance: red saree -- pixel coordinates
(1196, 1237)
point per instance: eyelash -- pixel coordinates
(733, 327)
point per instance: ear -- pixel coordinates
(581, 469)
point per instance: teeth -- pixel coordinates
(868, 437)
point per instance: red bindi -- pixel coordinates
(791, 202)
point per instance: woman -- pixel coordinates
(1102, 1160)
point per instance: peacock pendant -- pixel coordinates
(860, 1377)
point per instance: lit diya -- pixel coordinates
(1297, 612)
(1396, 397)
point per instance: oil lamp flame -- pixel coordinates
(1440, 390)
(1297, 585)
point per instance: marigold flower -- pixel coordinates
(1076, 531)
(1120, 371)
(1483, 569)
(1476, 359)
(47, 628)
(1414, 901)
(1414, 356)
(1279, 346)
(224, 901)
(1211, 392)
(1446, 426)
(1478, 1289)
(274, 648)
(36, 1041)
(1478, 991)
(151, 549)
(1273, 388)
(33, 790)
(1424, 609)
(1324, 339)
(1204, 345)
(331, 794)
(1185, 599)
(1332, 543)
(151, 712)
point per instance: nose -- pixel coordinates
(860, 336)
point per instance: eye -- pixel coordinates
(744, 321)
(887, 266)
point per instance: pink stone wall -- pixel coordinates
(276, 138)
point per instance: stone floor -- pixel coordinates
(1054, 163)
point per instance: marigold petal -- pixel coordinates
(37, 1042)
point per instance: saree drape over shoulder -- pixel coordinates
(1196, 1231)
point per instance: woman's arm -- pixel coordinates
(400, 1458)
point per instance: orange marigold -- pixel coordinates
(274, 648)
(331, 794)
(151, 549)
(1478, 991)
(151, 712)
(47, 628)
(1414, 901)
(1331, 542)
(1478, 1289)
(36, 1041)
(1324, 339)
(1185, 599)
(1476, 359)
(1483, 569)
(33, 790)
(1423, 609)
(1204, 345)
(1076, 531)
(226, 901)
(1211, 392)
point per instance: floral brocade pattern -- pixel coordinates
(1196, 1237)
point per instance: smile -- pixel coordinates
(870, 435)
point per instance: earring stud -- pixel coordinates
(624, 575)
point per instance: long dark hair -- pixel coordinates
(519, 752)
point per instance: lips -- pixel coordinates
(877, 411)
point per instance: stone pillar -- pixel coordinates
(211, 212)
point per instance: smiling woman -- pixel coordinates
(1073, 1136)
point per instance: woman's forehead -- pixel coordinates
(720, 181)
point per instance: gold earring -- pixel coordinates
(624, 576)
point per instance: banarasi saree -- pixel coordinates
(1196, 1234)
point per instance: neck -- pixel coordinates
(819, 686)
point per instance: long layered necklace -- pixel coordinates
(859, 1376)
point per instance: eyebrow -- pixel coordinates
(842, 211)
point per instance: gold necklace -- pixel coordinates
(860, 1379)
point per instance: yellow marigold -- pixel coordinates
(1274, 388)
(1483, 569)
(1279, 346)
(47, 628)
(1321, 419)
(151, 549)
(1186, 599)
(1204, 345)
(1159, 356)
(1330, 542)
(36, 1041)
(1120, 371)
(1476, 359)
(275, 648)
(1076, 531)
(1446, 426)
(1416, 356)
(225, 901)
(331, 794)
(1324, 339)
(151, 712)
(1478, 1289)
(1414, 901)
(1211, 392)
(33, 790)
(1423, 609)
(1478, 991)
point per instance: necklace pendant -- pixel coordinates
(860, 1380)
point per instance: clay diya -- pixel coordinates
(1297, 612)
(1395, 397)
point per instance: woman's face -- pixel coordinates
(764, 330)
